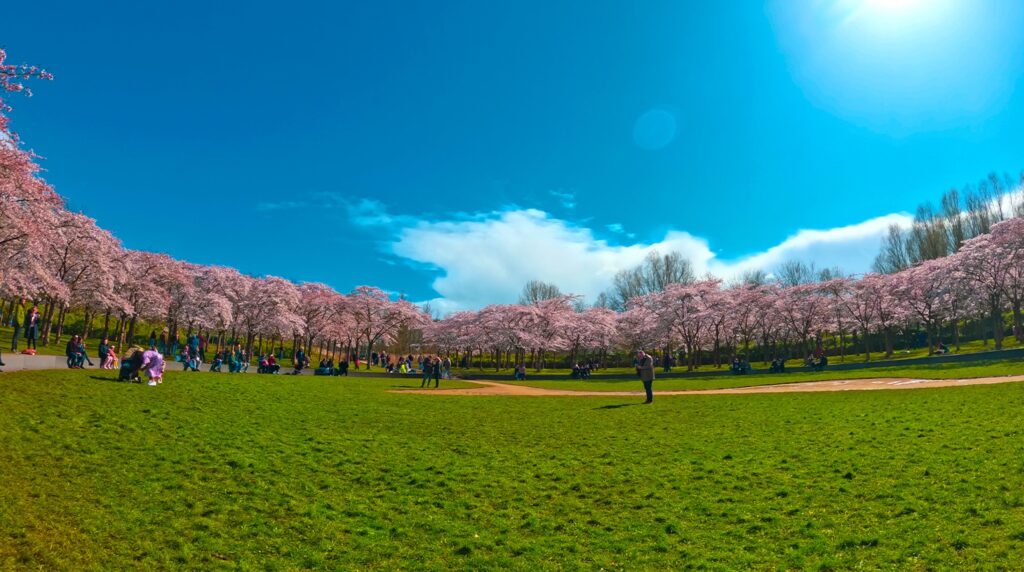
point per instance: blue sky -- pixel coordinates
(456, 150)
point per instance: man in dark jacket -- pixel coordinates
(645, 369)
(18, 321)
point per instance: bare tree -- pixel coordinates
(795, 272)
(754, 277)
(893, 257)
(654, 274)
(954, 219)
(536, 291)
(979, 215)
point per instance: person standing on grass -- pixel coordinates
(436, 366)
(645, 369)
(18, 321)
(427, 371)
(446, 364)
(32, 327)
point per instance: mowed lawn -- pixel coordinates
(954, 370)
(258, 472)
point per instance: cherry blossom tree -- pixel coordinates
(804, 313)
(377, 318)
(922, 291)
(984, 263)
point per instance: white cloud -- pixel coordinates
(487, 258)
(566, 198)
(615, 227)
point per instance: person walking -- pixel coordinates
(645, 369)
(18, 321)
(428, 372)
(437, 371)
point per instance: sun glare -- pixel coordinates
(892, 6)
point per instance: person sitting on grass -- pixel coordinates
(218, 360)
(111, 360)
(272, 366)
(326, 367)
(75, 351)
(241, 359)
(103, 353)
(187, 360)
(740, 365)
(778, 365)
(820, 363)
(234, 363)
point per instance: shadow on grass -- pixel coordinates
(617, 406)
(110, 379)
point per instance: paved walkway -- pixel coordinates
(490, 388)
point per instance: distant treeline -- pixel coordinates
(962, 214)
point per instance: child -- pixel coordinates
(110, 358)
(153, 363)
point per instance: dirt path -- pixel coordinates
(496, 388)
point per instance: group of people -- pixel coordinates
(196, 344)
(578, 371)
(25, 320)
(236, 358)
(740, 365)
(434, 367)
(327, 367)
(423, 364)
(76, 354)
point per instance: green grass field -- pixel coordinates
(926, 371)
(215, 471)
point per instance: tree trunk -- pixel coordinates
(47, 321)
(131, 330)
(997, 327)
(106, 324)
(1017, 323)
(60, 321)
(87, 324)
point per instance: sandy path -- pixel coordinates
(497, 388)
